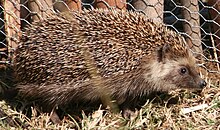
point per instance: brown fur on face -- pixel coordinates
(171, 71)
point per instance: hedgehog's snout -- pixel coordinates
(202, 83)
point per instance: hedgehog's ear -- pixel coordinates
(163, 53)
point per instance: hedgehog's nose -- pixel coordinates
(202, 84)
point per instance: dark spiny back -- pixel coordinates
(49, 51)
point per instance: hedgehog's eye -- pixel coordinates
(183, 70)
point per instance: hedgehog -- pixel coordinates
(63, 59)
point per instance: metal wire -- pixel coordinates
(180, 15)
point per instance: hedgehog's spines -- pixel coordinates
(119, 30)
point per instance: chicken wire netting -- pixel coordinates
(197, 21)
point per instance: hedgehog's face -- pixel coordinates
(170, 73)
(180, 74)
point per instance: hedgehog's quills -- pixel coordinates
(133, 55)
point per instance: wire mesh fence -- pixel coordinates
(197, 20)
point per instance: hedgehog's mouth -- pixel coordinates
(190, 87)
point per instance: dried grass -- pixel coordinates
(153, 115)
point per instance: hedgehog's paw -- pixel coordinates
(129, 114)
(54, 117)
